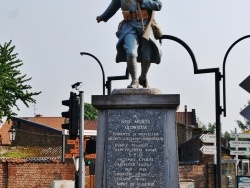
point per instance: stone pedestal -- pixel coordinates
(136, 139)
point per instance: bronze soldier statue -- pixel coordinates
(136, 42)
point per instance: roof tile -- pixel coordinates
(53, 122)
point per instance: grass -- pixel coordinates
(16, 153)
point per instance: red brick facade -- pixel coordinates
(203, 175)
(34, 175)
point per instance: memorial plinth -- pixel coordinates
(136, 139)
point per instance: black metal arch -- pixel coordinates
(103, 74)
(185, 46)
(224, 70)
(195, 66)
(217, 102)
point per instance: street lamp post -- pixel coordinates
(108, 83)
(224, 70)
(103, 74)
(218, 108)
(224, 77)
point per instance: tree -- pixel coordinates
(244, 125)
(90, 113)
(227, 135)
(13, 85)
(204, 128)
(211, 127)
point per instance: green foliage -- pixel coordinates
(227, 135)
(211, 127)
(204, 128)
(13, 85)
(244, 125)
(90, 113)
(18, 153)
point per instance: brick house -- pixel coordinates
(33, 131)
(187, 126)
(44, 135)
(38, 131)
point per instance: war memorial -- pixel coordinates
(136, 142)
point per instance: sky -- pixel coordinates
(49, 36)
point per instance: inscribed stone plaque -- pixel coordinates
(135, 148)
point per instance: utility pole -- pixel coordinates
(81, 178)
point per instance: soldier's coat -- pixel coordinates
(133, 26)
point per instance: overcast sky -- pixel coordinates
(49, 36)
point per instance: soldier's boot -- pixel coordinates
(132, 69)
(144, 71)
